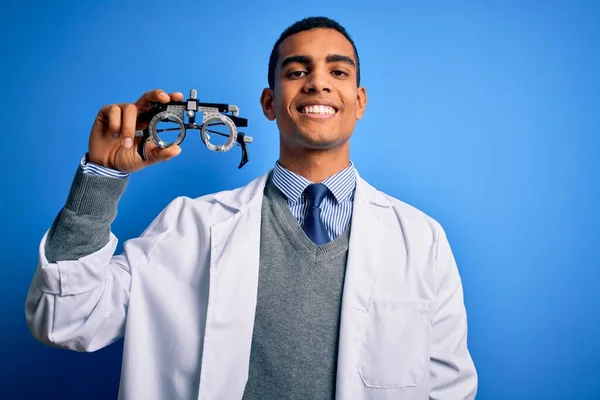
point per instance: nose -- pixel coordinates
(318, 81)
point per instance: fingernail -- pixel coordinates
(127, 143)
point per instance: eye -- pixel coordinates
(296, 74)
(339, 73)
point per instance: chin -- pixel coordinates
(319, 140)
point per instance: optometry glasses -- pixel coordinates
(167, 125)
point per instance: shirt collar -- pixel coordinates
(292, 185)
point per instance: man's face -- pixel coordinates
(315, 99)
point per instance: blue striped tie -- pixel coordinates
(313, 226)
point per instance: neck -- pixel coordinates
(315, 165)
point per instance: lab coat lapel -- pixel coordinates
(234, 266)
(364, 261)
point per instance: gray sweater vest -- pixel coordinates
(296, 328)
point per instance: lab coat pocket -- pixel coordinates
(396, 347)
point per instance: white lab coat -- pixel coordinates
(183, 295)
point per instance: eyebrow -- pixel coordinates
(331, 58)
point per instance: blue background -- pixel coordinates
(485, 115)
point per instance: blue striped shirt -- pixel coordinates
(336, 209)
(95, 169)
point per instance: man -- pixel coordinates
(307, 283)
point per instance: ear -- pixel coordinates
(361, 102)
(268, 104)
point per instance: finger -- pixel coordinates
(157, 154)
(157, 95)
(112, 114)
(176, 96)
(129, 114)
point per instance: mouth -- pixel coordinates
(317, 110)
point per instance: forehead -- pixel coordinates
(316, 43)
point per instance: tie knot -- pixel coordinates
(316, 192)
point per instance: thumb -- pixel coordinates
(156, 154)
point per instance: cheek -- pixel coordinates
(285, 95)
(351, 107)
(281, 104)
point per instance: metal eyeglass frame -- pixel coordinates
(212, 114)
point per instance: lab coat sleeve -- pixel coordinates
(80, 303)
(453, 374)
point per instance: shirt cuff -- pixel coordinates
(95, 169)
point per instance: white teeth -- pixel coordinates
(318, 109)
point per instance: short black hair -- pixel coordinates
(305, 25)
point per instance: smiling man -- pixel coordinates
(315, 95)
(308, 283)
